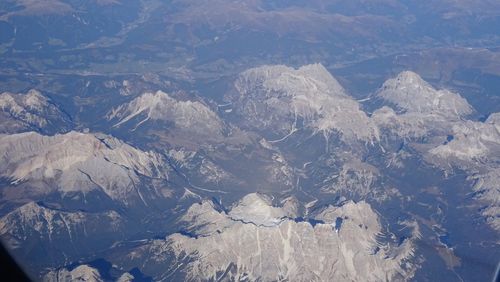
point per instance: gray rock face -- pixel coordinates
(410, 93)
(422, 111)
(472, 141)
(282, 100)
(82, 273)
(77, 162)
(475, 148)
(487, 187)
(193, 117)
(50, 226)
(30, 111)
(258, 241)
(419, 109)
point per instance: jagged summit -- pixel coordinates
(475, 148)
(472, 141)
(410, 93)
(29, 111)
(194, 117)
(254, 208)
(278, 98)
(407, 81)
(77, 162)
(84, 273)
(301, 79)
(258, 209)
(410, 77)
(340, 246)
(32, 100)
(33, 221)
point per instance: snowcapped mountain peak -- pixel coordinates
(83, 273)
(337, 246)
(307, 80)
(475, 147)
(35, 100)
(472, 141)
(407, 81)
(257, 208)
(411, 78)
(51, 224)
(410, 93)
(319, 74)
(191, 116)
(19, 112)
(276, 97)
(77, 162)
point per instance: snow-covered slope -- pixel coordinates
(257, 241)
(487, 188)
(33, 222)
(189, 116)
(454, 143)
(409, 125)
(475, 148)
(77, 162)
(472, 141)
(282, 100)
(419, 109)
(82, 273)
(29, 111)
(410, 93)
(258, 209)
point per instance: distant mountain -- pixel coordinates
(475, 148)
(410, 93)
(185, 116)
(178, 199)
(31, 111)
(282, 100)
(254, 240)
(80, 273)
(43, 236)
(74, 164)
(416, 109)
